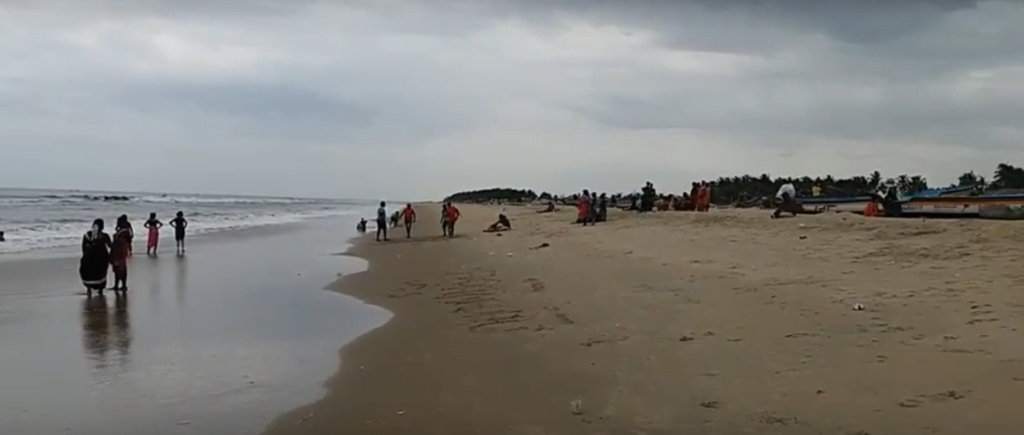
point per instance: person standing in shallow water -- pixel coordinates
(123, 223)
(92, 268)
(120, 249)
(179, 223)
(382, 221)
(153, 238)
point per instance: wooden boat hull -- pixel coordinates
(990, 207)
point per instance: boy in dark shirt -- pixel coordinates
(179, 223)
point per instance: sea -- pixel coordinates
(34, 219)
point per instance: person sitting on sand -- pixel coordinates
(451, 215)
(409, 217)
(785, 199)
(503, 224)
(361, 226)
(550, 208)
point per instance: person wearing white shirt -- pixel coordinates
(786, 200)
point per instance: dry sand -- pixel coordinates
(683, 323)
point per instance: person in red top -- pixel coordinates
(409, 217)
(583, 208)
(451, 214)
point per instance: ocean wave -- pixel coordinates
(63, 232)
(159, 199)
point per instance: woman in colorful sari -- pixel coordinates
(92, 268)
(119, 252)
(583, 208)
(153, 238)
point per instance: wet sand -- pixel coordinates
(218, 342)
(684, 323)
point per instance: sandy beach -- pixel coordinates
(682, 323)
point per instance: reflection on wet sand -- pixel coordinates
(107, 339)
(181, 280)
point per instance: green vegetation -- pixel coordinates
(501, 194)
(727, 190)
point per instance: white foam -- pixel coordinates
(47, 235)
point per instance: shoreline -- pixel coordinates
(431, 364)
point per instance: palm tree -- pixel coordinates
(967, 179)
(1007, 176)
(875, 179)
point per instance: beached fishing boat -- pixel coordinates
(953, 203)
(818, 204)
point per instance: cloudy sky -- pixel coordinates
(410, 99)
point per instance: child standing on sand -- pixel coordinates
(153, 239)
(179, 223)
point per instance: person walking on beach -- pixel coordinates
(153, 238)
(444, 218)
(124, 224)
(409, 217)
(92, 268)
(382, 221)
(451, 215)
(120, 249)
(179, 223)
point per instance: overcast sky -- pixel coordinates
(411, 99)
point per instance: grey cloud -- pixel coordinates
(258, 102)
(317, 75)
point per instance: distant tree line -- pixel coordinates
(728, 190)
(499, 194)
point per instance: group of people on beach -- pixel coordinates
(101, 251)
(591, 208)
(450, 214)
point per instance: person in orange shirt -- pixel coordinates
(409, 217)
(451, 214)
(871, 208)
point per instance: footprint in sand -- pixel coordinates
(604, 340)
(562, 317)
(710, 404)
(535, 284)
(945, 396)
(774, 420)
